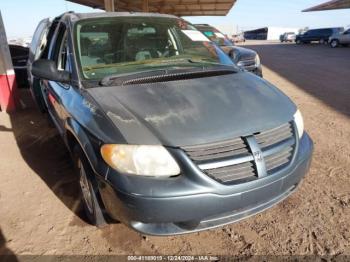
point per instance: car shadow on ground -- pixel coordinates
(319, 70)
(45, 153)
(5, 253)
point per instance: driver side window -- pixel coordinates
(62, 58)
(61, 51)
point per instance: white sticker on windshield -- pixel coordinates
(219, 35)
(195, 35)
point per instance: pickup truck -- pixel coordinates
(168, 135)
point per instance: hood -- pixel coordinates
(194, 111)
(239, 53)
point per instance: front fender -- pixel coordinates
(84, 140)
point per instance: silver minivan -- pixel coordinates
(340, 38)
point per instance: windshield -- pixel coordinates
(119, 45)
(215, 36)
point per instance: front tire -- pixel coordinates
(89, 191)
(334, 43)
(298, 41)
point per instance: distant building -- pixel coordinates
(269, 33)
(22, 41)
(227, 29)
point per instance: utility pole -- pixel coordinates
(145, 7)
(109, 5)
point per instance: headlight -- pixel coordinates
(140, 160)
(233, 55)
(298, 119)
(257, 60)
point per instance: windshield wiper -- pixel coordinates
(191, 61)
(163, 75)
(113, 79)
(154, 62)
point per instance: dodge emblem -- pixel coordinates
(258, 155)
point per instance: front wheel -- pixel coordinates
(89, 192)
(298, 41)
(334, 43)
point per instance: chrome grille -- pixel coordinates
(236, 172)
(278, 160)
(248, 64)
(232, 161)
(215, 151)
(273, 136)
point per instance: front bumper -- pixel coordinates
(257, 71)
(170, 213)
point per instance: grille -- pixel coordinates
(231, 162)
(248, 64)
(239, 172)
(279, 160)
(216, 151)
(274, 136)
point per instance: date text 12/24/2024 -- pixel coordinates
(172, 258)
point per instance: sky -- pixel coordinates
(22, 16)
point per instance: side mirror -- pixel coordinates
(47, 69)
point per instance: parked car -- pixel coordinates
(317, 35)
(238, 38)
(19, 57)
(288, 37)
(243, 57)
(168, 135)
(340, 39)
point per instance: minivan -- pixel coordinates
(168, 135)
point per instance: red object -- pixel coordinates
(7, 91)
(52, 99)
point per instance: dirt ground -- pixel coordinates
(40, 213)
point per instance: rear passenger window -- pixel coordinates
(39, 40)
(139, 32)
(95, 45)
